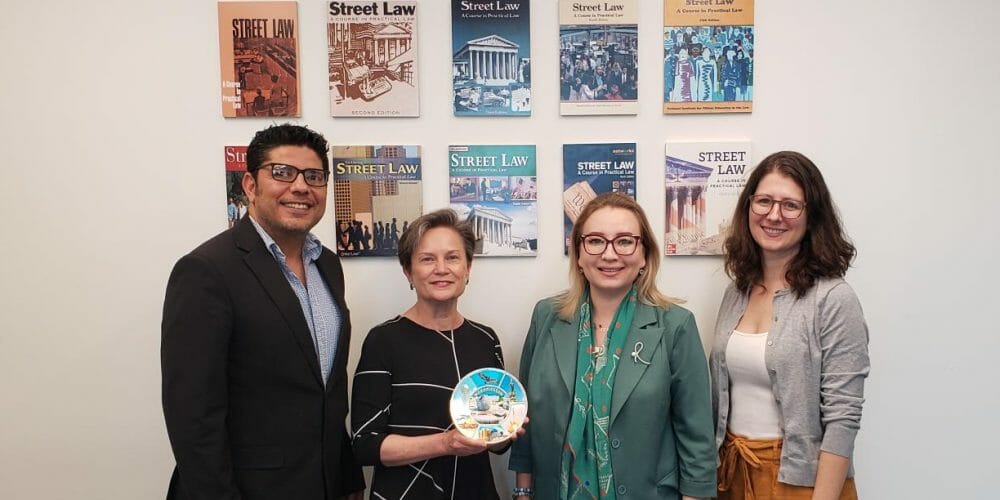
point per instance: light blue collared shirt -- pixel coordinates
(317, 302)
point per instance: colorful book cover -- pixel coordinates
(491, 57)
(703, 182)
(373, 59)
(708, 56)
(236, 200)
(593, 169)
(259, 52)
(495, 187)
(598, 57)
(376, 193)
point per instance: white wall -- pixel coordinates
(111, 168)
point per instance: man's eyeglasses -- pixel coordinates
(286, 173)
(623, 244)
(762, 204)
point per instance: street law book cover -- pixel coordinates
(259, 55)
(495, 188)
(376, 194)
(372, 48)
(491, 57)
(703, 181)
(593, 169)
(598, 57)
(708, 56)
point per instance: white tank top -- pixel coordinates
(753, 412)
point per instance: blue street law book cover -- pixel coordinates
(491, 57)
(593, 169)
(495, 188)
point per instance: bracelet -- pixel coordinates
(522, 491)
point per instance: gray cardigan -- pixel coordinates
(817, 357)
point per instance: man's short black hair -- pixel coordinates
(285, 134)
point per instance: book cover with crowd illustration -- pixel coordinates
(708, 54)
(236, 200)
(598, 57)
(259, 55)
(495, 188)
(703, 183)
(372, 48)
(376, 194)
(491, 57)
(593, 169)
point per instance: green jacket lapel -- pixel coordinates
(644, 330)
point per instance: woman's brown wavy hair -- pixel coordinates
(825, 251)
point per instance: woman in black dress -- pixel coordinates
(409, 366)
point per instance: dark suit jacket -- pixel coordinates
(246, 410)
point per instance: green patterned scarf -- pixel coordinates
(586, 462)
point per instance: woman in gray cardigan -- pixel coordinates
(790, 355)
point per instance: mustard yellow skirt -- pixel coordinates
(749, 471)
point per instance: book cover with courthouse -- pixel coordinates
(236, 199)
(495, 188)
(593, 169)
(491, 57)
(372, 48)
(703, 183)
(376, 193)
(708, 54)
(259, 55)
(598, 57)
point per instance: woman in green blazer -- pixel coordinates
(616, 375)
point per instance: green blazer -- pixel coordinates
(661, 431)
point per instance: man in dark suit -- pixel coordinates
(255, 339)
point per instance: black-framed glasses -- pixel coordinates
(623, 244)
(762, 204)
(286, 173)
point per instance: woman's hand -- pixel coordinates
(456, 443)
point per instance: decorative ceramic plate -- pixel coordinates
(488, 404)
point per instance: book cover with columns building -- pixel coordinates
(495, 188)
(491, 57)
(703, 182)
(372, 49)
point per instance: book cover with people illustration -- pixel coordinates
(372, 49)
(495, 188)
(598, 57)
(708, 54)
(376, 193)
(236, 200)
(593, 169)
(703, 182)
(259, 55)
(491, 57)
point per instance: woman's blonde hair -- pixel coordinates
(568, 301)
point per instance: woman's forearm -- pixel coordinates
(830, 476)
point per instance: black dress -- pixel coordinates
(403, 385)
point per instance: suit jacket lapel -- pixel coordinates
(262, 263)
(329, 267)
(644, 329)
(564, 340)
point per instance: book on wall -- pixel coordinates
(236, 199)
(598, 57)
(708, 54)
(376, 194)
(495, 188)
(491, 57)
(593, 169)
(372, 48)
(703, 183)
(259, 53)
